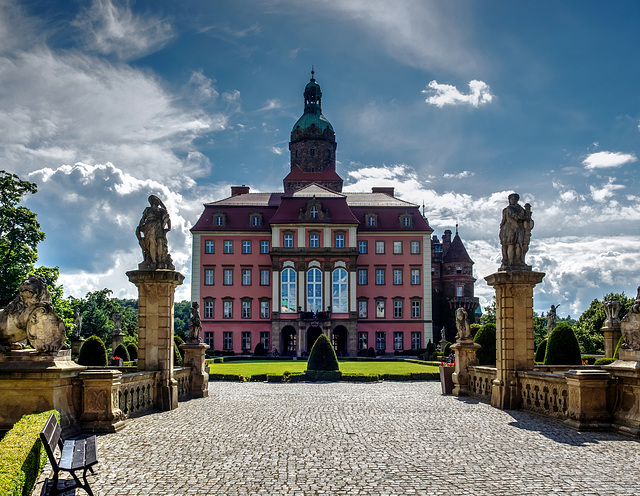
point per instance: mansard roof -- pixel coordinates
(457, 253)
(297, 174)
(292, 208)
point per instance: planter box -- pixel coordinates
(115, 363)
(446, 381)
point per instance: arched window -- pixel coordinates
(313, 212)
(314, 290)
(288, 291)
(339, 293)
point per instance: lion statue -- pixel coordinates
(30, 316)
(462, 324)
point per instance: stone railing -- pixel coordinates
(136, 394)
(480, 379)
(544, 393)
(183, 376)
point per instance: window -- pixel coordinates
(379, 276)
(415, 247)
(264, 247)
(312, 152)
(228, 246)
(459, 291)
(264, 277)
(415, 309)
(362, 309)
(397, 276)
(371, 220)
(398, 341)
(227, 309)
(245, 341)
(208, 338)
(397, 309)
(458, 270)
(314, 290)
(228, 277)
(246, 246)
(405, 220)
(209, 246)
(379, 309)
(362, 276)
(246, 309)
(339, 240)
(381, 341)
(255, 220)
(208, 309)
(246, 277)
(363, 340)
(313, 212)
(227, 341)
(397, 247)
(415, 341)
(265, 339)
(380, 247)
(339, 295)
(314, 240)
(208, 277)
(288, 291)
(415, 276)
(362, 246)
(264, 309)
(219, 220)
(288, 240)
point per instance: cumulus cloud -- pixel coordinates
(446, 94)
(608, 160)
(459, 175)
(605, 191)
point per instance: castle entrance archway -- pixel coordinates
(313, 333)
(288, 341)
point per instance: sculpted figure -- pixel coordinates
(78, 323)
(30, 316)
(195, 325)
(117, 322)
(611, 307)
(551, 319)
(462, 324)
(515, 232)
(630, 326)
(152, 236)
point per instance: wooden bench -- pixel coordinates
(75, 455)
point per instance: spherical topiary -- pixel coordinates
(616, 353)
(486, 337)
(93, 353)
(132, 349)
(121, 352)
(540, 352)
(562, 347)
(322, 356)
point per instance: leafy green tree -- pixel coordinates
(62, 306)
(19, 235)
(587, 327)
(489, 314)
(562, 347)
(539, 329)
(486, 337)
(182, 317)
(98, 309)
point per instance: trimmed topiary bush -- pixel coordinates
(177, 357)
(447, 350)
(121, 352)
(562, 347)
(322, 356)
(616, 353)
(431, 348)
(540, 352)
(604, 361)
(486, 337)
(371, 352)
(132, 349)
(588, 359)
(177, 340)
(259, 350)
(93, 353)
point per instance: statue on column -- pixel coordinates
(462, 324)
(195, 325)
(78, 323)
(551, 319)
(152, 236)
(630, 326)
(515, 233)
(611, 307)
(117, 322)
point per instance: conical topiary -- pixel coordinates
(562, 347)
(486, 337)
(132, 349)
(122, 352)
(93, 353)
(541, 351)
(323, 362)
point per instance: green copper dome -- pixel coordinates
(318, 120)
(312, 108)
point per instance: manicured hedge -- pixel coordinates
(93, 352)
(486, 337)
(589, 359)
(360, 377)
(122, 352)
(540, 352)
(562, 347)
(604, 361)
(323, 375)
(322, 356)
(132, 349)
(225, 377)
(22, 455)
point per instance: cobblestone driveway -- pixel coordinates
(366, 439)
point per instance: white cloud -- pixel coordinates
(459, 175)
(605, 191)
(272, 104)
(446, 94)
(278, 151)
(608, 160)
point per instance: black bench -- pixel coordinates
(75, 455)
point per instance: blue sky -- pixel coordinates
(455, 104)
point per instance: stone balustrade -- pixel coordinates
(183, 376)
(480, 380)
(545, 393)
(136, 393)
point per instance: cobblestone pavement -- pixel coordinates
(366, 439)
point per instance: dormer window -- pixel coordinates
(405, 220)
(256, 220)
(313, 212)
(371, 220)
(219, 219)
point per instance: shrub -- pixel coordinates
(486, 337)
(177, 340)
(132, 349)
(447, 349)
(258, 378)
(540, 352)
(323, 375)
(322, 356)
(260, 351)
(275, 378)
(431, 348)
(474, 329)
(604, 361)
(226, 377)
(121, 352)
(616, 353)
(425, 376)
(589, 359)
(22, 456)
(218, 360)
(371, 352)
(177, 357)
(562, 347)
(403, 376)
(93, 353)
(360, 377)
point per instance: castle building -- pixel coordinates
(282, 268)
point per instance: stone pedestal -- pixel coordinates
(612, 335)
(514, 332)
(194, 355)
(465, 356)
(76, 344)
(626, 410)
(587, 407)
(35, 382)
(100, 408)
(156, 291)
(116, 340)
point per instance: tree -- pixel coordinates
(62, 306)
(19, 235)
(98, 309)
(587, 327)
(489, 314)
(182, 317)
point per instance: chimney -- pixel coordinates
(385, 190)
(239, 190)
(446, 241)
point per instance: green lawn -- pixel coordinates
(252, 367)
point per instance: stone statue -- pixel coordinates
(462, 324)
(195, 325)
(152, 236)
(611, 307)
(78, 323)
(30, 316)
(117, 322)
(551, 319)
(515, 233)
(630, 326)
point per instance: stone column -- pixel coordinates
(76, 344)
(100, 403)
(194, 355)
(465, 357)
(587, 408)
(612, 335)
(156, 292)
(116, 340)
(514, 332)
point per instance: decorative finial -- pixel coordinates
(456, 228)
(312, 73)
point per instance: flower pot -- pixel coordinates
(446, 380)
(115, 362)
